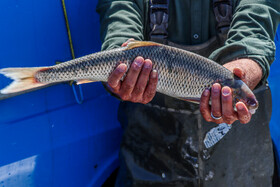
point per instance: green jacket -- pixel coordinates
(251, 34)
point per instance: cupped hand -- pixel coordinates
(221, 98)
(221, 106)
(139, 85)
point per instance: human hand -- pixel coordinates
(139, 85)
(221, 98)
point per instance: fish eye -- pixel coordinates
(252, 102)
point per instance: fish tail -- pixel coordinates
(23, 79)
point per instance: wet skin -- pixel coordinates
(136, 88)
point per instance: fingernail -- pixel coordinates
(122, 68)
(138, 62)
(215, 88)
(239, 107)
(154, 74)
(147, 65)
(206, 92)
(226, 91)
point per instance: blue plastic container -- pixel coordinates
(46, 138)
(274, 79)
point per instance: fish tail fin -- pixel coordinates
(23, 79)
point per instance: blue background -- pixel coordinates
(46, 138)
(274, 79)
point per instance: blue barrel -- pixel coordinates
(273, 79)
(46, 137)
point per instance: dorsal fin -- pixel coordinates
(134, 44)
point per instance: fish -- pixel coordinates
(181, 74)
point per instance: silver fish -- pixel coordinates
(182, 74)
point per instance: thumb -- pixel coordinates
(239, 73)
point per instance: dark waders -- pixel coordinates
(164, 141)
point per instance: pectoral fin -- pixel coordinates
(192, 100)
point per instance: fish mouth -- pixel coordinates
(252, 105)
(244, 94)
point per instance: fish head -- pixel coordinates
(241, 92)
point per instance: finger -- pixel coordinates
(142, 81)
(115, 77)
(125, 43)
(229, 115)
(150, 91)
(109, 87)
(131, 78)
(244, 116)
(239, 73)
(216, 100)
(204, 105)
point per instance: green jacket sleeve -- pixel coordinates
(251, 34)
(119, 21)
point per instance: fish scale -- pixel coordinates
(181, 74)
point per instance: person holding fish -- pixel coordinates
(164, 138)
(207, 52)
